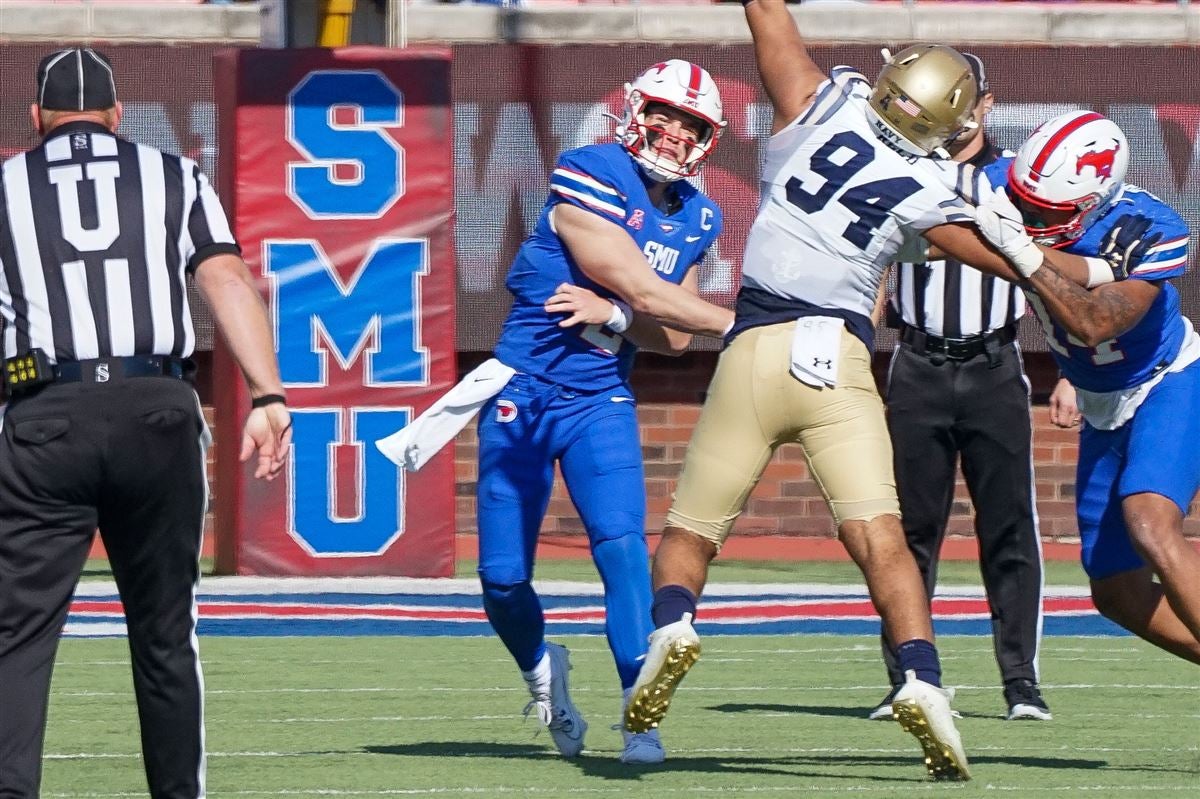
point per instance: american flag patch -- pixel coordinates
(908, 106)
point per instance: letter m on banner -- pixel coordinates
(340, 172)
(375, 315)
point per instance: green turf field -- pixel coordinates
(836, 572)
(731, 571)
(758, 716)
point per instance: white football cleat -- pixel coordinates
(673, 650)
(555, 708)
(924, 711)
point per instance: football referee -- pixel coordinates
(103, 428)
(957, 389)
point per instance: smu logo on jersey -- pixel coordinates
(661, 257)
(345, 499)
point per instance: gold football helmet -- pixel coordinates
(923, 99)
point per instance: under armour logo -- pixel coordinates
(827, 361)
(101, 373)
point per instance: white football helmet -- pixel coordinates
(1073, 167)
(681, 85)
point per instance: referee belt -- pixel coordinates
(957, 349)
(104, 370)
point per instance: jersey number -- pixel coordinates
(1103, 353)
(869, 202)
(603, 338)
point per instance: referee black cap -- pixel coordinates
(77, 79)
(981, 79)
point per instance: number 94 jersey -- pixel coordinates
(602, 179)
(837, 202)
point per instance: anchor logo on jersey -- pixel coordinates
(636, 219)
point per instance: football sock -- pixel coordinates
(624, 567)
(920, 656)
(670, 603)
(516, 615)
(538, 677)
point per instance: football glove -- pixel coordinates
(1127, 243)
(1000, 223)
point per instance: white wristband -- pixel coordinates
(622, 316)
(1099, 272)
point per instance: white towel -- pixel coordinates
(412, 446)
(816, 350)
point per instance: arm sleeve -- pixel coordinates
(832, 94)
(208, 227)
(586, 180)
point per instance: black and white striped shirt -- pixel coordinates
(950, 300)
(96, 235)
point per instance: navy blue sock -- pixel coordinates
(920, 656)
(670, 603)
(516, 615)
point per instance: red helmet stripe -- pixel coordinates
(694, 83)
(1040, 162)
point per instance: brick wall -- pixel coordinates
(786, 501)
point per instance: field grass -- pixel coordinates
(772, 716)
(836, 572)
(951, 572)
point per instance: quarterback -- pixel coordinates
(621, 231)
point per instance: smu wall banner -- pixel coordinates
(336, 168)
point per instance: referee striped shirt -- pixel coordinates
(96, 237)
(948, 299)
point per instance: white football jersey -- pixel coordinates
(837, 203)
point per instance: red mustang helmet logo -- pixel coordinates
(1100, 160)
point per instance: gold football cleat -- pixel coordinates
(674, 649)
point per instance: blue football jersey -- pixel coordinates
(605, 180)
(1136, 355)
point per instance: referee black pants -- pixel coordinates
(126, 457)
(978, 410)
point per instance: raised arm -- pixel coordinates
(607, 255)
(788, 73)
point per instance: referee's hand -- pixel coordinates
(268, 431)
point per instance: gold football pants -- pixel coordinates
(754, 404)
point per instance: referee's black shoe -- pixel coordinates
(1025, 701)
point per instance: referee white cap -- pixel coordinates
(76, 79)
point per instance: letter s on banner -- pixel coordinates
(327, 142)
